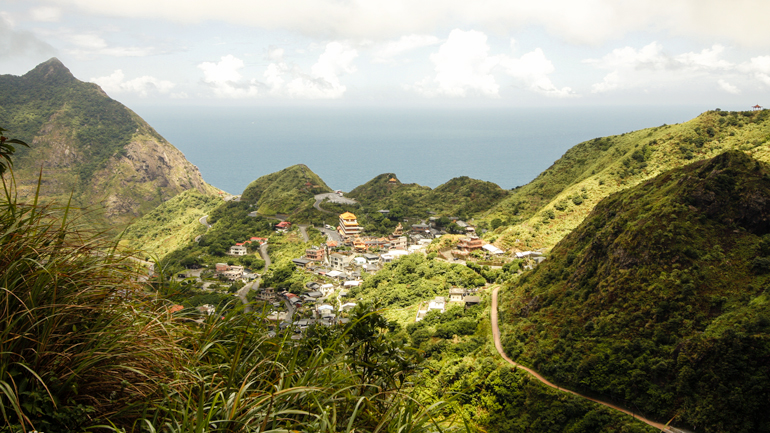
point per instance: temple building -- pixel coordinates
(349, 225)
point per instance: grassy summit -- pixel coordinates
(658, 300)
(285, 192)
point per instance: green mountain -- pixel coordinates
(460, 196)
(542, 212)
(89, 145)
(658, 300)
(289, 191)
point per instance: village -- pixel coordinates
(344, 260)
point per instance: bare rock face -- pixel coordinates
(152, 171)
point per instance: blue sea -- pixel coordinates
(347, 147)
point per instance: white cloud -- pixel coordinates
(323, 81)
(226, 80)
(464, 67)
(727, 87)
(757, 68)
(282, 78)
(706, 59)
(46, 14)
(653, 57)
(143, 86)
(611, 82)
(652, 65)
(388, 51)
(575, 21)
(533, 68)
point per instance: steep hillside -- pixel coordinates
(173, 224)
(542, 212)
(460, 196)
(289, 191)
(89, 145)
(659, 300)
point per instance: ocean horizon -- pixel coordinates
(348, 147)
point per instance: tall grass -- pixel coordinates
(244, 381)
(78, 344)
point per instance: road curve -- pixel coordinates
(499, 347)
(203, 220)
(317, 203)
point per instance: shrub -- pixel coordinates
(73, 351)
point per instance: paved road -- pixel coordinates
(244, 290)
(303, 231)
(203, 220)
(333, 198)
(332, 235)
(499, 347)
(265, 256)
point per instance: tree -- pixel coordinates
(497, 222)
(6, 150)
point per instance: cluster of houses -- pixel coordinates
(369, 254)
(232, 272)
(314, 301)
(459, 295)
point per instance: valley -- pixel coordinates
(632, 272)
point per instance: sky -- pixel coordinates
(401, 52)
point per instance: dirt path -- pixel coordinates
(499, 347)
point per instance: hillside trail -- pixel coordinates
(499, 347)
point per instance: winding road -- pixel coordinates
(499, 347)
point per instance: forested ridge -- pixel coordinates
(658, 300)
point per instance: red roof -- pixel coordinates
(283, 224)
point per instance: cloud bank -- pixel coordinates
(283, 79)
(465, 67)
(574, 21)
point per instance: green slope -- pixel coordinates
(542, 212)
(289, 191)
(89, 145)
(460, 196)
(659, 301)
(172, 225)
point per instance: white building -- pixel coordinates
(238, 250)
